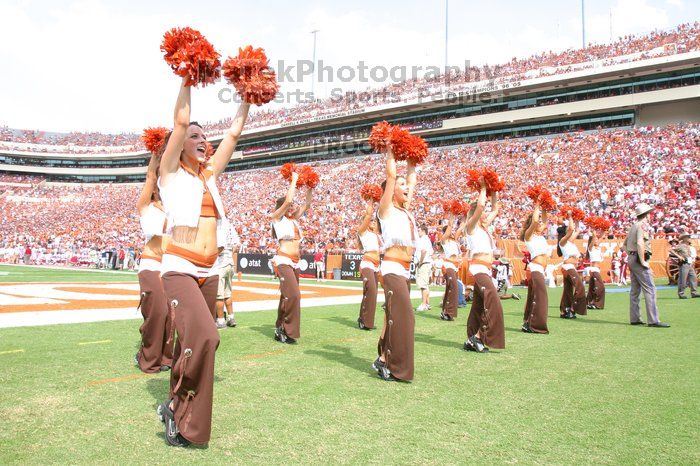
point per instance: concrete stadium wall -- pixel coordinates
(669, 112)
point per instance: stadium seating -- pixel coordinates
(603, 172)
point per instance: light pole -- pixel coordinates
(446, 26)
(583, 25)
(313, 65)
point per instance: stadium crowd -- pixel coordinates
(604, 172)
(683, 38)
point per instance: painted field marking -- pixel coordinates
(94, 342)
(12, 351)
(262, 355)
(119, 379)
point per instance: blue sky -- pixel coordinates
(96, 65)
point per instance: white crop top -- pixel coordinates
(450, 247)
(287, 229)
(595, 254)
(480, 242)
(398, 229)
(369, 241)
(537, 246)
(569, 250)
(152, 222)
(182, 198)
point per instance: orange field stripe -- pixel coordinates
(263, 355)
(118, 379)
(112, 291)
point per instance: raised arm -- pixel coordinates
(533, 225)
(571, 231)
(223, 153)
(448, 231)
(411, 179)
(480, 204)
(367, 219)
(307, 203)
(495, 208)
(460, 230)
(387, 200)
(279, 213)
(149, 186)
(170, 160)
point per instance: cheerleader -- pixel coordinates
(452, 259)
(535, 317)
(616, 265)
(596, 287)
(399, 232)
(573, 298)
(485, 323)
(285, 229)
(156, 351)
(369, 267)
(192, 202)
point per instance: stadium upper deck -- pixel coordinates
(650, 88)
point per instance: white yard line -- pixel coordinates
(38, 318)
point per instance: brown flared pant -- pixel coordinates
(574, 294)
(369, 297)
(192, 379)
(397, 338)
(156, 331)
(536, 304)
(596, 290)
(289, 309)
(486, 313)
(450, 299)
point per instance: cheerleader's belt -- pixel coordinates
(374, 261)
(197, 259)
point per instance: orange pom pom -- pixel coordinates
(598, 223)
(249, 72)
(541, 196)
(308, 177)
(191, 56)
(154, 139)
(455, 207)
(287, 170)
(380, 136)
(576, 213)
(547, 201)
(371, 192)
(493, 183)
(491, 179)
(406, 146)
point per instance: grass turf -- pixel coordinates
(595, 390)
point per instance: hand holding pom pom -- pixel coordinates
(598, 223)
(287, 170)
(405, 146)
(576, 213)
(488, 176)
(191, 56)
(380, 136)
(154, 139)
(249, 72)
(542, 197)
(308, 177)
(371, 192)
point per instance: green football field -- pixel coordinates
(595, 390)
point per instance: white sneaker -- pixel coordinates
(421, 308)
